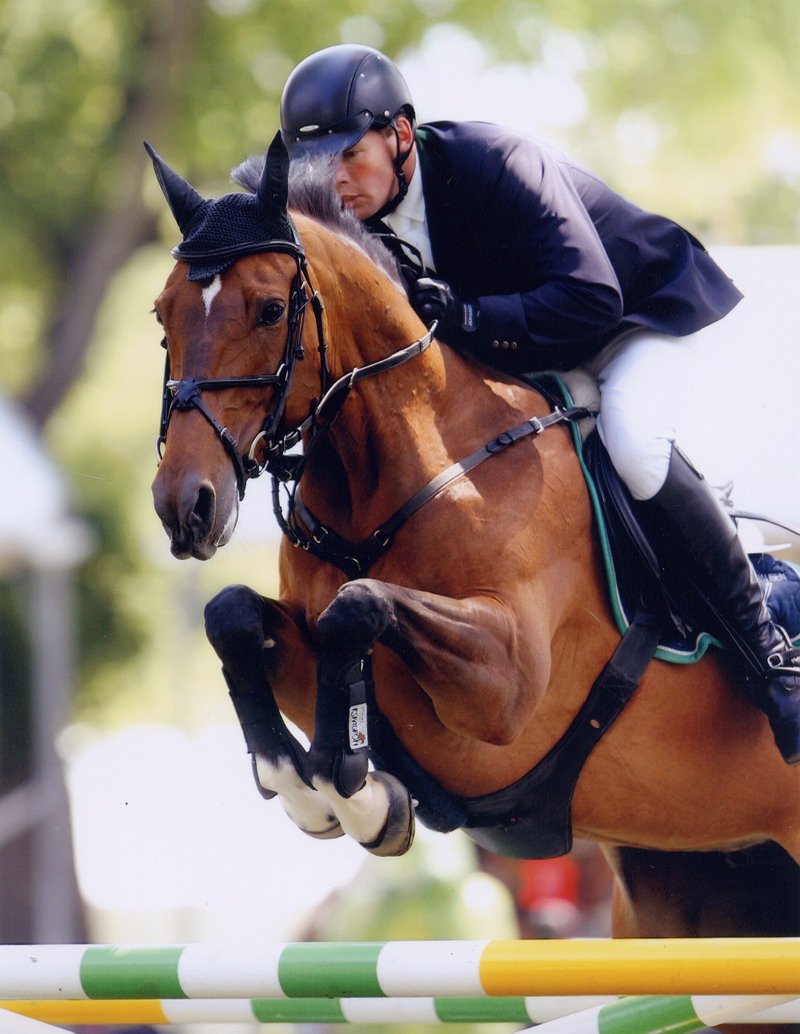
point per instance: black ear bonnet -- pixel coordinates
(218, 231)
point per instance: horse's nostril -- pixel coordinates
(205, 506)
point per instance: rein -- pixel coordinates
(327, 409)
(356, 558)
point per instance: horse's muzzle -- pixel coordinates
(195, 519)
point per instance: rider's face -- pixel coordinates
(365, 177)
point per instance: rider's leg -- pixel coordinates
(687, 511)
(641, 387)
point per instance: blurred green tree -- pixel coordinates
(690, 105)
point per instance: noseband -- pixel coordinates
(187, 393)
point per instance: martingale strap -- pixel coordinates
(356, 558)
(531, 818)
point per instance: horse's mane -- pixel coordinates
(311, 193)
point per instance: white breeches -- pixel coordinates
(643, 380)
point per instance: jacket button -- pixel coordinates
(495, 344)
(504, 344)
(514, 344)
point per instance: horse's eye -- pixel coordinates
(270, 314)
(157, 315)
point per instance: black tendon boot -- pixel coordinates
(687, 519)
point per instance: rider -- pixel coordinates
(529, 263)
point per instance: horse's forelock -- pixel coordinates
(311, 192)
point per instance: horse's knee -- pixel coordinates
(234, 618)
(358, 615)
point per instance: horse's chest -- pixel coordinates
(311, 584)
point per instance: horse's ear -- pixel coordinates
(273, 187)
(181, 196)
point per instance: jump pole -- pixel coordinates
(14, 1023)
(637, 1012)
(404, 969)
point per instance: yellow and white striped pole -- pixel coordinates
(375, 1011)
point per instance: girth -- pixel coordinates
(531, 818)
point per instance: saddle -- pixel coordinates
(638, 579)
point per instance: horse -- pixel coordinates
(443, 606)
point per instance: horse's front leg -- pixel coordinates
(373, 808)
(250, 635)
(470, 643)
(484, 676)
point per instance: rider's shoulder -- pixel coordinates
(484, 150)
(455, 140)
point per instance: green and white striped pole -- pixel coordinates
(404, 969)
(655, 1015)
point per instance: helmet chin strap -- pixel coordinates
(400, 175)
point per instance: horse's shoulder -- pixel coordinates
(522, 400)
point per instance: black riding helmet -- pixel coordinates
(336, 95)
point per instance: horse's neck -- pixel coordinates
(387, 426)
(399, 429)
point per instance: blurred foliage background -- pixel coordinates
(687, 106)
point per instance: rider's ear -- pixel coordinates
(405, 132)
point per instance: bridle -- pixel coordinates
(187, 393)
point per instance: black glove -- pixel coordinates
(436, 300)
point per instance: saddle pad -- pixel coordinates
(622, 549)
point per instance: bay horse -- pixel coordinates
(441, 615)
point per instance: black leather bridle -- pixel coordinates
(187, 393)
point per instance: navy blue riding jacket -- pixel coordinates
(559, 264)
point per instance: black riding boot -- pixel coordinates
(686, 519)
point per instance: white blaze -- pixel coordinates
(211, 292)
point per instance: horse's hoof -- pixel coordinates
(355, 618)
(332, 832)
(397, 834)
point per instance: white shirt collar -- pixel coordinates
(409, 220)
(412, 207)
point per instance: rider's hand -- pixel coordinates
(436, 300)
